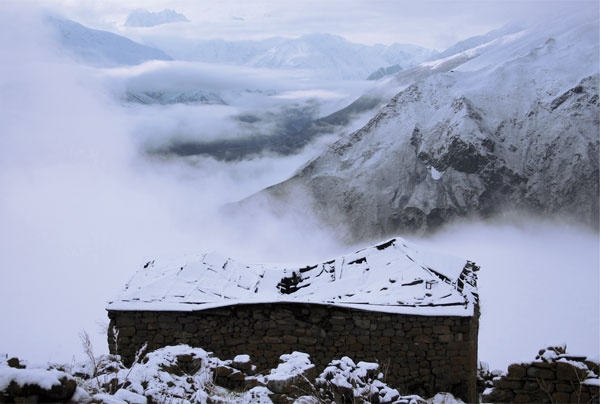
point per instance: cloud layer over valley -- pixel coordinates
(81, 205)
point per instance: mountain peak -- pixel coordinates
(145, 18)
(102, 48)
(511, 128)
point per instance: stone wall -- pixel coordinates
(421, 354)
(567, 380)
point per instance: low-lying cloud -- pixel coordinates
(189, 102)
(82, 207)
(538, 286)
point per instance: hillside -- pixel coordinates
(102, 48)
(513, 126)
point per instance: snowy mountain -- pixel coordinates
(478, 40)
(384, 71)
(331, 55)
(193, 96)
(145, 18)
(507, 125)
(102, 48)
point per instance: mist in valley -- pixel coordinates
(91, 189)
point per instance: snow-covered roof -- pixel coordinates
(389, 277)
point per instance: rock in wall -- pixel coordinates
(554, 377)
(421, 354)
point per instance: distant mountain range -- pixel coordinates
(330, 55)
(502, 122)
(102, 48)
(145, 18)
(509, 124)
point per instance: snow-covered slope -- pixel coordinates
(337, 56)
(479, 40)
(145, 18)
(392, 276)
(330, 55)
(102, 48)
(512, 126)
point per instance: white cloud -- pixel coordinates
(432, 23)
(538, 286)
(81, 207)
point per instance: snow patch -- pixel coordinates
(435, 174)
(41, 377)
(291, 365)
(392, 276)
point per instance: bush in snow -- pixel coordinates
(343, 381)
(293, 376)
(175, 374)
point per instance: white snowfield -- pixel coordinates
(392, 276)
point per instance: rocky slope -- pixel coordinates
(512, 127)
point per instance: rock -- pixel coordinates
(593, 366)
(36, 385)
(253, 381)
(15, 363)
(293, 376)
(223, 371)
(498, 396)
(569, 372)
(242, 362)
(516, 370)
(283, 385)
(188, 363)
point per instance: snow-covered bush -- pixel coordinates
(344, 381)
(175, 374)
(293, 376)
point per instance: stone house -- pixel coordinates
(414, 312)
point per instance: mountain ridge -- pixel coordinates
(144, 18)
(102, 48)
(331, 55)
(514, 127)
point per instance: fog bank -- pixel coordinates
(82, 207)
(538, 285)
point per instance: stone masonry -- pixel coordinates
(568, 379)
(420, 354)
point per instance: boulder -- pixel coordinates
(36, 385)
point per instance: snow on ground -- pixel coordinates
(184, 375)
(44, 378)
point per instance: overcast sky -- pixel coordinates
(431, 23)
